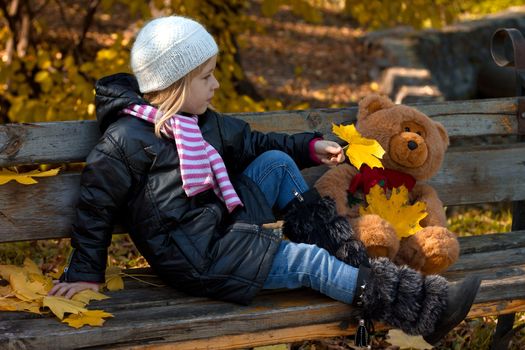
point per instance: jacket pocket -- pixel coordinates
(196, 234)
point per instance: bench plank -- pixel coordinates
(60, 142)
(46, 210)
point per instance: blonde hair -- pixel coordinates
(170, 100)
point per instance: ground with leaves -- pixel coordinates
(309, 65)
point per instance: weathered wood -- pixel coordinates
(492, 242)
(161, 316)
(56, 142)
(482, 175)
(59, 142)
(276, 317)
(46, 210)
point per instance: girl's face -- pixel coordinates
(201, 89)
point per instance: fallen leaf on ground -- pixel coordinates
(399, 338)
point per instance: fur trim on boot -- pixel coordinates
(314, 220)
(403, 298)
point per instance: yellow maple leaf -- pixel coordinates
(399, 338)
(60, 305)
(114, 279)
(87, 295)
(7, 270)
(397, 210)
(25, 178)
(59, 270)
(6, 291)
(89, 317)
(27, 291)
(360, 149)
(15, 304)
(28, 286)
(31, 267)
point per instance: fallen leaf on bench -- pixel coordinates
(90, 317)
(360, 149)
(25, 178)
(60, 305)
(6, 291)
(397, 210)
(399, 338)
(15, 304)
(87, 295)
(114, 279)
(27, 282)
(30, 266)
(29, 287)
(25, 288)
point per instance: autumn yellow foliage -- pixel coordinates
(27, 290)
(396, 209)
(360, 150)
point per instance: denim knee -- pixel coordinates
(275, 156)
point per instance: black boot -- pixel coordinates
(312, 219)
(416, 304)
(460, 297)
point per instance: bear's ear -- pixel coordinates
(373, 103)
(443, 133)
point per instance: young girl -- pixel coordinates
(194, 189)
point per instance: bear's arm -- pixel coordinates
(436, 213)
(334, 184)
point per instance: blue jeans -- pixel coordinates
(298, 265)
(277, 176)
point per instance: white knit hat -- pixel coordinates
(168, 48)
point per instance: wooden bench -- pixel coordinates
(485, 164)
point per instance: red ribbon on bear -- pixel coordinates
(368, 177)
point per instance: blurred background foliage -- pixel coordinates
(52, 51)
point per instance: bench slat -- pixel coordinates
(46, 210)
(196, 321)
(59, 142)
(164, 317)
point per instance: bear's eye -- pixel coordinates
(419, 133)
(407, 129)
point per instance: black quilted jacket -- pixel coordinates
(193, 243)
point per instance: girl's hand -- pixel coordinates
(329, 152)
(68, 289)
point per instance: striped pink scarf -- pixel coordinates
(201, 166)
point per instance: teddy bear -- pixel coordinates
(414, 147)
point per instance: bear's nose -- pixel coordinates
(412, 145)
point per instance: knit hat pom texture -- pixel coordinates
(168, 48)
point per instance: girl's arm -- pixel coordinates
(104, 185)
(326, 152)
(243, 145)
